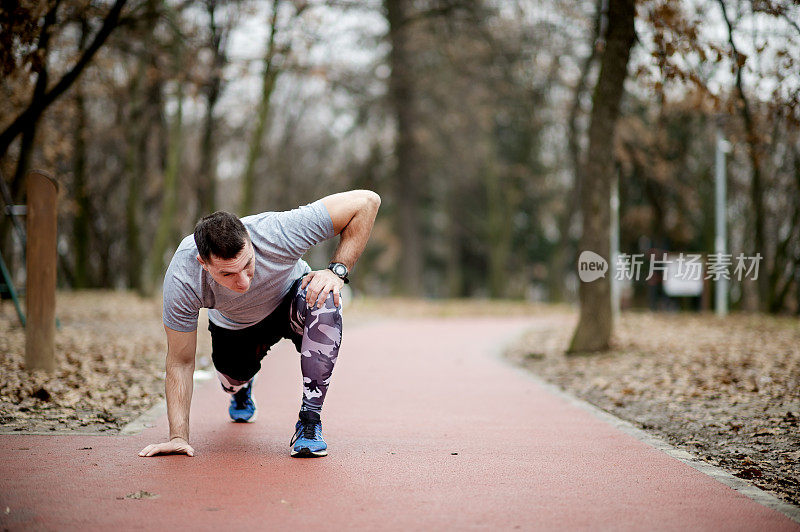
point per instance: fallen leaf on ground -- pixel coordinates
(141, 494)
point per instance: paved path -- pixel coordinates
(405, 398)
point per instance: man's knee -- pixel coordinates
(236, 373)
(330, 312)
(323, 328)
(230, 384)
(330, 302)
(329, 299)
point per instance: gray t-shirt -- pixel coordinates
(279, 240)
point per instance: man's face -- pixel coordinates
(236, 273)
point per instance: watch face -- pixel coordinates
(340, 270)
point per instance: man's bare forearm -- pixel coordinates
(356, 233)
(181, 347)
(179, 396)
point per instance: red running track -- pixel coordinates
(405, 396)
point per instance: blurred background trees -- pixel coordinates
(471, 118)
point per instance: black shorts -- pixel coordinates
(238, 353)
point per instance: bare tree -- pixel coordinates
(571, 206)
(593, 332)
(754, 151)
(81, 223)
(43, 97)
(269, 75)
(212, 88)
(408, 178)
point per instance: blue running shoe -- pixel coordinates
(243, 405)
(307, 441)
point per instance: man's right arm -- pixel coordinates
(181, 347)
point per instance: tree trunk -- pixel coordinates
(143, 159)
(558, 262)
(166, 224)
(407, 175)
(787, 264)
(207, 176)
(756, 185)
(499, 231)
(454, 273)
(28, 128)
(134, 171)
(593, 332)
(80, 227)
(268, 78)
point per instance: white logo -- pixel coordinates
(591, 266)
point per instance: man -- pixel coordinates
(250, 275)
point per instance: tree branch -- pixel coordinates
(38, 106)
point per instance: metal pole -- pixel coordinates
(720, 240)
(615, 284)
(13, 211)
(11, 289)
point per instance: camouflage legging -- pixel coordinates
(316, 333)
(321, 329)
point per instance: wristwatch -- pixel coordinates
(340, 270)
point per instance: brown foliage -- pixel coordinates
(20, 23)
(109, 358)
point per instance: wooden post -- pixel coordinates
(41, 257)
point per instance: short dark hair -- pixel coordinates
(220, 234)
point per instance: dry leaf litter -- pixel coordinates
(110, 351)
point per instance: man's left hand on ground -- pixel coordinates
(319, 284)
(173, 446)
